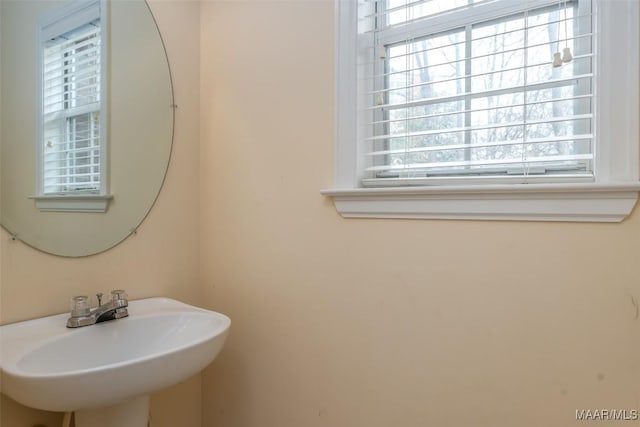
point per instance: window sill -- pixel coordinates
(582, 202)
(73, 203)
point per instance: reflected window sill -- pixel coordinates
(97, 203)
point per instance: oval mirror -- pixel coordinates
(140, 117)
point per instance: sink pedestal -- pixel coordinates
(132, 413)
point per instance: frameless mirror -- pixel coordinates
(140, 117)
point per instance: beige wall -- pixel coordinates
(160, 260)
(367, 323)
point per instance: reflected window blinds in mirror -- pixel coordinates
(72, 132)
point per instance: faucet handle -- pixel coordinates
(118, 294)
(80, 306)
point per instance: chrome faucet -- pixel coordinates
(83, 315)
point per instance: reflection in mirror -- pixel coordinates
(73, 43)
(139, 130)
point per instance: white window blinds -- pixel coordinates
(463, 90)
(72, 159)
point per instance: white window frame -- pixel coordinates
(72, 15)
(609, 198)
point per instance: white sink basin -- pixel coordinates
(163, 342)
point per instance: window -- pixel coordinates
(488, 109)
(72, 137)
(479, 100)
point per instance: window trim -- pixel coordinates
(76, 11)
(610, 198)
(73, 203)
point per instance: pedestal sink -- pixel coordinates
(105, 372)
